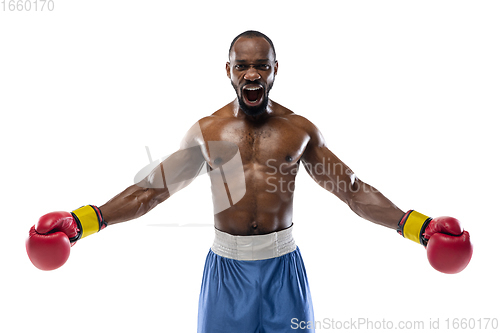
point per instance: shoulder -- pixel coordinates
(304, 124)
(194, 135)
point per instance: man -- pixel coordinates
(254, 278)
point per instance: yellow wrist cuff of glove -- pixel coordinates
(413, 225)
(89, 220)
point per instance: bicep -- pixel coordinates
(329, 171)
(180, 168)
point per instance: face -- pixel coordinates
(252, 69)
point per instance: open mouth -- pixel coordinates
(253, 94)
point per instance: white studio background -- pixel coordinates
(404, 92)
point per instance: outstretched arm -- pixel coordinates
(49, 242)
(335, 176)
(449, 248)
(170, 176)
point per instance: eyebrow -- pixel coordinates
(258, 60)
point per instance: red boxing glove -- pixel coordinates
(50, 240)
(449, 249)
(48, 244)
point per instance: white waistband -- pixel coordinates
(256, 247)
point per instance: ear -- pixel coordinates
(275, 67)
(228, 70)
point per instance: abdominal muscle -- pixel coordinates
(265, 207)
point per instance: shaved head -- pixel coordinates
(252, 34)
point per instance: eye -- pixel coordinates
(264, 67)
(239, 67)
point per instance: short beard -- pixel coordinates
(252, 111)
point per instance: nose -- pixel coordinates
(252, 74)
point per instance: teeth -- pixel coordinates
(253, 88)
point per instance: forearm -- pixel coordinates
(372, 205)
(132, 203)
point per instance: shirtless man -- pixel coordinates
(254, 278)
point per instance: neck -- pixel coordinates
(239, 113)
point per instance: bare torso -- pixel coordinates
(255, 195)
(270, 151)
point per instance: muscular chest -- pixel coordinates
(275, 143)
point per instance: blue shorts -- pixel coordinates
(254, 296)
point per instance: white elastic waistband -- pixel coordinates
(256, 247)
